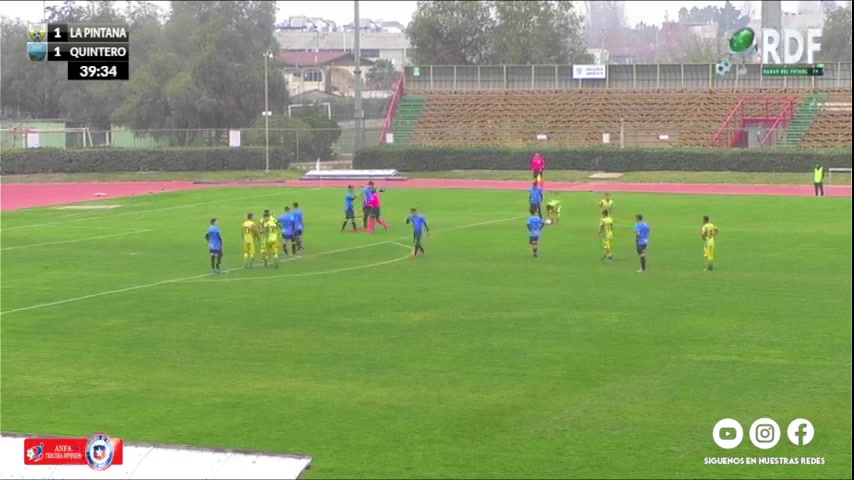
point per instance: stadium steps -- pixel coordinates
(406, 118)
(804, 117)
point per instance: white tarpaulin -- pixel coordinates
(158, 462)
(34, 140)
(234, 138)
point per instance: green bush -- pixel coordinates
(46, 160)
(426, 159)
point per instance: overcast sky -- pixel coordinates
(341, 12)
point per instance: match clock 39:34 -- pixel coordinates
(98, 71)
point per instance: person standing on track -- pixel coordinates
(818, 180)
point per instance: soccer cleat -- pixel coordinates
(641, 271)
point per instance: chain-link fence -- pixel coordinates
(306, 144)
(565, 77)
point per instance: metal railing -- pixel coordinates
(391, 109)
(656, 76)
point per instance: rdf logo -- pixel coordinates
(800, 432)
(728, 433)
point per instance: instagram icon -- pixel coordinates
(764, 433)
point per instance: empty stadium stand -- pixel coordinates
(832, 125)
(689, 118)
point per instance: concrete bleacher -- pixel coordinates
(688, 118)
(685, 118)
(832, 125)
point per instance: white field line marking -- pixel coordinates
(153, 210)
(183, 279)
(306, 274)
(33, 245)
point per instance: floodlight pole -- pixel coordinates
(267, 112)
(357, 54)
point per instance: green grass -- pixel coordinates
(770, 178)
(476, 361)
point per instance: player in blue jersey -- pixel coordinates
(367, 192)
(286, 224)
(419, 227)
(214, 239)
(535, 228)
(641, 240)
(535, 197)
(350, 209)
(296, 213)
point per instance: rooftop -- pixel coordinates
(316, 58)
(341, 41)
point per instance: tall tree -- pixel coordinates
(836, 41)
(537, 32)
(696, 50)
(605, 20)
(707, 14)
(382, 74)
(30, 90)
(477, 32)
(92, 103)
(209, 72)
(451, 32)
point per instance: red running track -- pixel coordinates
(19, 196)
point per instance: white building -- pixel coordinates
(390, 46)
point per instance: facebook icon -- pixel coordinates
(800, 432)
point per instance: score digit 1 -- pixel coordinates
(57, 33)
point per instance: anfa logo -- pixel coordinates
(100, 452)
(36, 453)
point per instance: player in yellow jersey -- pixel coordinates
(709, 232)
(606, 203)
(606, 233)
(270, 240)
(249, 232)
(553, 209)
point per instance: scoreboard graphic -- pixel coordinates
(92, 51)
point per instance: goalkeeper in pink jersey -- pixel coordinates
(374, 204)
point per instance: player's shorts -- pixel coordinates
(535, 206)
(709, 251)
(416, 237)
(216, 251)
(271, 245)
(289, 237)
(366, 211)
(298, 233)
(641, 248)
(375, 212)
(607, 243)
(249, 248)
(533, 240)
(349, 214)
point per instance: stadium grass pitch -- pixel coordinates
(475, 361)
